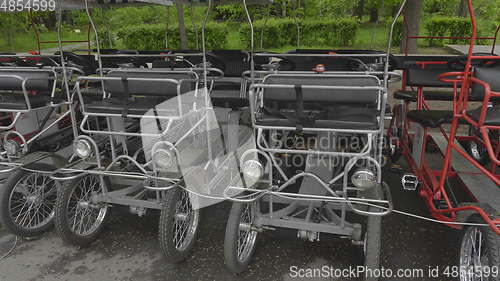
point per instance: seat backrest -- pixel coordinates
(235, 61)
(427, 77)
(182, 61)
(488, 74)
(37, 80)
(331, 63)
(424, 76)
(148, 88)
(347, 96)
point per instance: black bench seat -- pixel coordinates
(17, 101)
(39, 85)
(435, 118)
(139, 106)
(142, 105)
(492, 116)
(308, 105)
(130, 96)
(431, 118)
(335, 118)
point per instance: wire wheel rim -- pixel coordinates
(32, 201)
(185, 222)
(84, 216)
(473, 255)
(246, 235)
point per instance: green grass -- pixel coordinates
(27, 41)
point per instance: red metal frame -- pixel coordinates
(433, 181)
(64, 122)
(39, 43)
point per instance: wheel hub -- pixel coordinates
(475, 151)
(245, 226)
(33, 198)
(181, 216)
(83, 204)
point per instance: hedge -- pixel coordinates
(152, 37)
(438, 26)
(283, 32)
(447, 26)
(229, 12)
(397, 34)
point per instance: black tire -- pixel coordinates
(490, 243)
(373, 244)
(477, 152)
(11, 198)
(373, 234)
(67, 194)
(231, 258)
(177, 251)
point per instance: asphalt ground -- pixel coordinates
(128, 250)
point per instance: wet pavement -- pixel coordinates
(128, 250)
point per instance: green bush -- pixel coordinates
(237, 12)
(397, 34)
(229, 12)
(440, 7)
(278, 33)
(152, 37)
(447, 26)
(330, 32)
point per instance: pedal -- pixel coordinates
(409, 182)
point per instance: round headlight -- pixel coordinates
(82, 148)
(252, 170)
(163, 160)
(11, 147)
(364, 179)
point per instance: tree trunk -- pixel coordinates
(9, 28)
(374, 14)
(10, 39)
(360, 9)
(182, 25)
(463, 9)
(412, 13)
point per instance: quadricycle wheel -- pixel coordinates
(79, 218)
(373, 235)
(479, 255)
(27, 201)
(179, 223)
(241, 236)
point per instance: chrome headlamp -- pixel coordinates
(252, 170)
(12, 147)
(163, 160)
(364, 179)
(82, 148)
